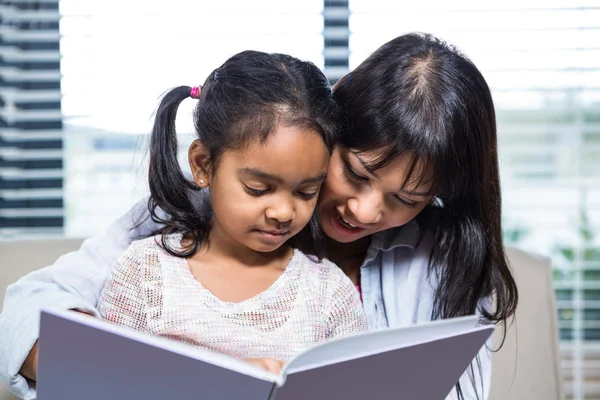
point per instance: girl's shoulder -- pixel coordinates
(157, 242)
(152, 247)
(147, 259)
(322, 273)
(151, 243)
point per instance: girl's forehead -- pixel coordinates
(290, 151)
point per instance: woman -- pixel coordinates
(411, 210)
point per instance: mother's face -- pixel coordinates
(356, 202)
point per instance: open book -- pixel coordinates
(81, 357)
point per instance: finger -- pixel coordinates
(273, 366)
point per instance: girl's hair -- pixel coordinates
(242, 101)
(418, 97)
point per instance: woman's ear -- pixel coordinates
(200, 163)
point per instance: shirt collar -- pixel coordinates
(407, 235)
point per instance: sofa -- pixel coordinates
(525, 368)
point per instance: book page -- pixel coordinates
(425, 371)
(373, 342)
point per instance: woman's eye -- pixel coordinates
(404, 202)
(350, 173)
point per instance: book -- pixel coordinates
(81, 357)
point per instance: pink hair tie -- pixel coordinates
(195, 92)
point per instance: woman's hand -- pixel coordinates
(30, 365)
(271, 365)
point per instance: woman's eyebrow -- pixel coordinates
(366, 166)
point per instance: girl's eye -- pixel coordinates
(255, 192)
(350, 173)
(404, 202)
(307, 196)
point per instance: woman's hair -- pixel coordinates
(418, 97)
(242, 101)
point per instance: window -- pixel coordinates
(31, 143)
(119, 57)
(542, 62)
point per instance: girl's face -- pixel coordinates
(356, 202)
(267, 192)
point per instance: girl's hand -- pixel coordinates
(271, 365)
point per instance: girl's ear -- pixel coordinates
(200, 163)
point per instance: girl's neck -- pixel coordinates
(220, 246)
(233, 272)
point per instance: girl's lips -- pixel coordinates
(272, 236)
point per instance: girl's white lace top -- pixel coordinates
(155, 292)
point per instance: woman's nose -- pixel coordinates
(366, 209)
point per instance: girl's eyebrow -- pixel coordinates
(257, 173)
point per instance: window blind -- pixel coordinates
(542, 62)
(31, 146)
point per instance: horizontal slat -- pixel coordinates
(479, 21)
(593, 324)
(186, 23)
(468, 5)
(31, 2)
(336, 13)
(31, 194)
(9, 154)
(336, 52)
(135, 8)
(29, 115)
(15, 134)
(335, 33)
(336, 72)
(17, 95)
(583, 285)
(583, 304)
(362, 39)
(12, 53)
(31, 213)
(11, 34)
(10, 14)
(15, 74)
(18, 173)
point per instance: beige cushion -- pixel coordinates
(530, 373)
(18, 258)
(527, 367)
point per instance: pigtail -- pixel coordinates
(169, 189)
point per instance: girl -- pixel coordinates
(225, 277)
(410, 206)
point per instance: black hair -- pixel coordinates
(418, 97)
(243, 100)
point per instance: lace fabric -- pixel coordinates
(152, 291)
